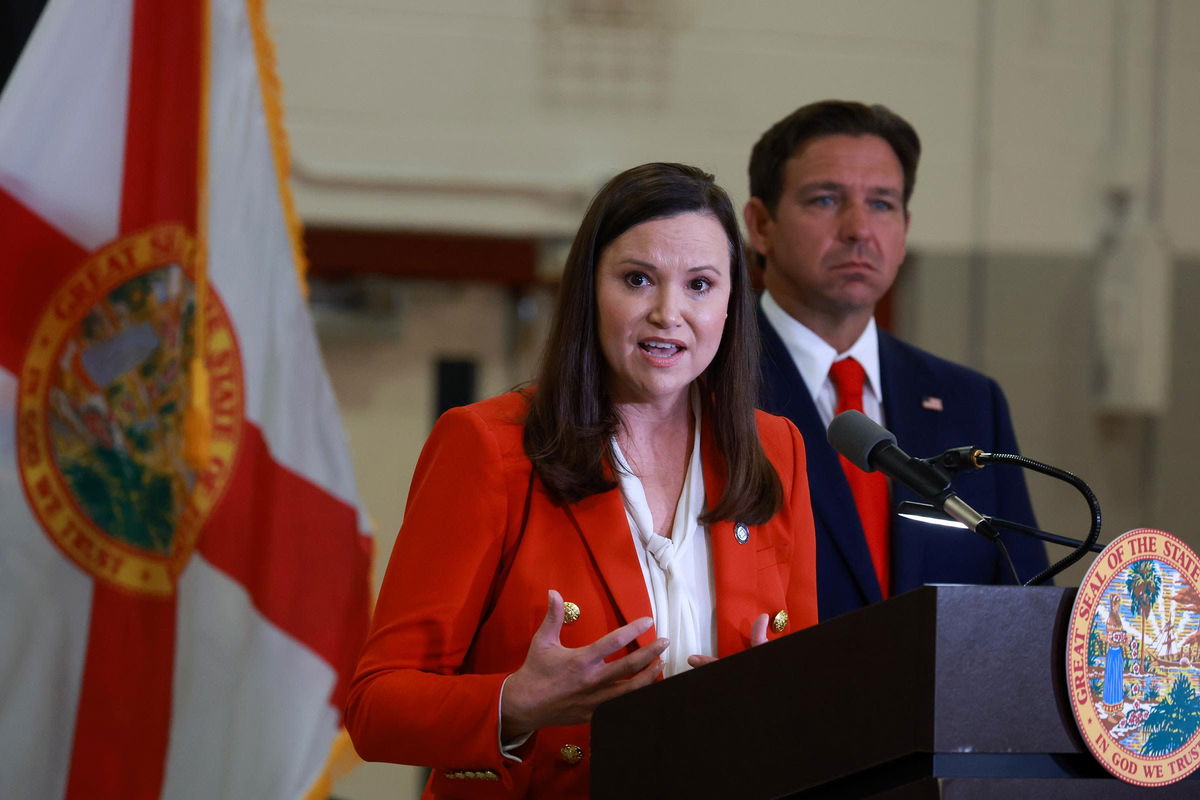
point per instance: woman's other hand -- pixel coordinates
(758, 635)
(562, 686)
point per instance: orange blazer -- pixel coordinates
(446, 634)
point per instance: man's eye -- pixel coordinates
(822, 201)
(883, 205)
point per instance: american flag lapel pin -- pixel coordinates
(931, 403)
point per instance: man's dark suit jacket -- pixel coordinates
(972, 411)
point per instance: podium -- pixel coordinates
(943, 692)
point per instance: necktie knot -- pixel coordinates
(847, 376)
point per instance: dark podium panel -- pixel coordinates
(944, 692)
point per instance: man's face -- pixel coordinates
(837, 237)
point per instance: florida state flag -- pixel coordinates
(183, 574)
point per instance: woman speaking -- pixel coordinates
(629, 516)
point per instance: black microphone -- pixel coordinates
(870, 447)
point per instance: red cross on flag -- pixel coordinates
(183, 573)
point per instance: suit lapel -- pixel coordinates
(604, 530)
(907, 384)
(832, 501)
(734, 575)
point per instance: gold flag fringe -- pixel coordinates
(272, 97)
(197, 415)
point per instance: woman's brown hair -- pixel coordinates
(571, 416)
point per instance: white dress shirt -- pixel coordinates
(814, 356)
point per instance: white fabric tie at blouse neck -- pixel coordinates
(677, 570)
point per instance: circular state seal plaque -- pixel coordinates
(102, 393)
(1132, 652)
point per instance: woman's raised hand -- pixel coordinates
(562, 685)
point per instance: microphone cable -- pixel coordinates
(980, 458)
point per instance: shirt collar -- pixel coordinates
(814, 356)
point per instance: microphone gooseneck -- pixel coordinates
(1082, 548)
(870, 446)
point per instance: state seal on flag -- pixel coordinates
(1132, 652)
(101, 396)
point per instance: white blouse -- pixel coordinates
(678, 571)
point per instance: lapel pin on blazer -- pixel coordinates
(741, 533)
(931, 403)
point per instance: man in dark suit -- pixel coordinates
(828, 217)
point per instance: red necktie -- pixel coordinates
(870, 488)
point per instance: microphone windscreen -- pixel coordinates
(855, 435)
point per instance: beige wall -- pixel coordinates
(505, 115)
